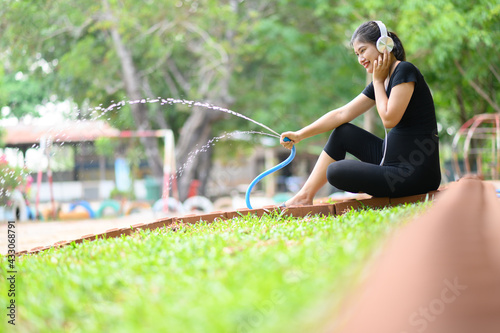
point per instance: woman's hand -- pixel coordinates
(382, 66)
(294, 138)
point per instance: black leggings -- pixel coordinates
(398, 176)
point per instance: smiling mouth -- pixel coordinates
(366, 64)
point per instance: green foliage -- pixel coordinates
(454, 35)
(11, 178)
(290, 57)
(294, 69)
(269, 274)
(3, 134)
(116, 194)
(105, 146)
(283, 63)
(21, 94)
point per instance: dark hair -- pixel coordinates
(369, 32)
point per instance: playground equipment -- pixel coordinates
(198, 203)
(479, 142)
(168, 160)
(46, 142)
(105, 205)
(85, 205)
(45, 148)
(268, 172)
(74, 215)
(169, 180)
(137, 206)
(19, 208)
(174, 205)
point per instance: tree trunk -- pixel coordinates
(156, 114)
(461, 104)
(197, 130)
(204, 169)
(195, 133)
(139, 110)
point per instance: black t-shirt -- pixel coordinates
(413, 144)
(419, 116)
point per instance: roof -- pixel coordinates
(71, 131)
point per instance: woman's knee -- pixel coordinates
(343, 131)
(336, 146)
(347, 175)
(335, 173)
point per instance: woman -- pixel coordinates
(406, 162)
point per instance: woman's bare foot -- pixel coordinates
(313, 184)
(298, 200)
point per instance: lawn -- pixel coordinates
(248, 274)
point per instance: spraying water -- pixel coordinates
(203, 149)
(101, 112)
(171, 101)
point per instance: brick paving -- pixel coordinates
(57, 234)
(438, 274)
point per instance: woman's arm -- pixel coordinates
(330, 121)
(391, 109)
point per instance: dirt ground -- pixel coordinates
(40, 233)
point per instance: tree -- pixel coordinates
(457, 43)
(283, 63)
(208, 50)
(294, 65)
(96, 56)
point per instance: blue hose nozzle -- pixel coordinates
(265, 173)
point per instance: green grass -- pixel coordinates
(249, 274)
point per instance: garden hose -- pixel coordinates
(265, 173)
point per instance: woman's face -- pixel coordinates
(366, 53)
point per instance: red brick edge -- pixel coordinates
(337, 208)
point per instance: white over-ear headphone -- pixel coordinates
(384, 42)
